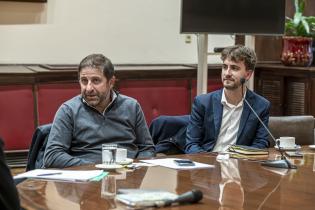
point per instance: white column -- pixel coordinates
(250, 42)
(202, 70)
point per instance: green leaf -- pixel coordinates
(297, 18)
(301, 6)
(310, 19)
(306, 26)
(288, 19)
(300, 25)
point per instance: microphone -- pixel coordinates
(283, 162)
(193, 196)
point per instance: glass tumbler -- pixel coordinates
(109, 154)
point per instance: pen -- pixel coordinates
(49, 174)
(132, 167)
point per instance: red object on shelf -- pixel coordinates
(297, 51)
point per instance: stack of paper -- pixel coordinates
(241, 150)
(64, 175)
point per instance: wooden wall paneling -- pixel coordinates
(35, 99)
(159, 89)
(158, 97)
(309, 8)
(214, 81)
(311, 99)
(16, 75)
(213, 84)
(17, 116)
(297, 89)
(268, 48)
(55, 76)
(296, 96)
(139, 72)
(51, 96)
(272, 88)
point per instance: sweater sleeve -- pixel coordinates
(144, 140)
(59, 142)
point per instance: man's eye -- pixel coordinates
(96, 81)
(84, 81)
(224, 67)
(234, 68)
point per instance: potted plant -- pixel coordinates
(299, 34)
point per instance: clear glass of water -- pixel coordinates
(108, 189)
(109, 154)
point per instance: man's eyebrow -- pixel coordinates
(236, 66)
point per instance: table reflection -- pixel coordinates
(78, 195)
(231, 194)
(232, 184)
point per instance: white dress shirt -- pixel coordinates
(231, 118)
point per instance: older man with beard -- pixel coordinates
(220, 118)
(98, 115)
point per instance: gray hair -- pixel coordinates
(100, 62)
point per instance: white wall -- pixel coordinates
(127, 31)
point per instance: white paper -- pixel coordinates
(64, 175)
(169, 163)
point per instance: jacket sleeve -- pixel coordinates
(59, 142)
(9, 198)
(261, 138)
(144, 141)
(195, 128)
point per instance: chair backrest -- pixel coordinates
(169, 134)
(37, 148)
(300, 127)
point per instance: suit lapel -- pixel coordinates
(217, 113)
(245, 114)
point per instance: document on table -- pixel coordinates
(63, 175)
(169, 163)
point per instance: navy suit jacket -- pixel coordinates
(206, 116)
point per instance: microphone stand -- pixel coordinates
(283, 162)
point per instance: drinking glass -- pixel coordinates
(109, 154)
(108, 189)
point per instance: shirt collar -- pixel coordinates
(114, 96)
(224, 102)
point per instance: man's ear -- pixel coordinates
(248, 74)
(112, 82)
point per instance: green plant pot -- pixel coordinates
(297, 51)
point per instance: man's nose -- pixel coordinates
(228, 71)
(89, 86)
